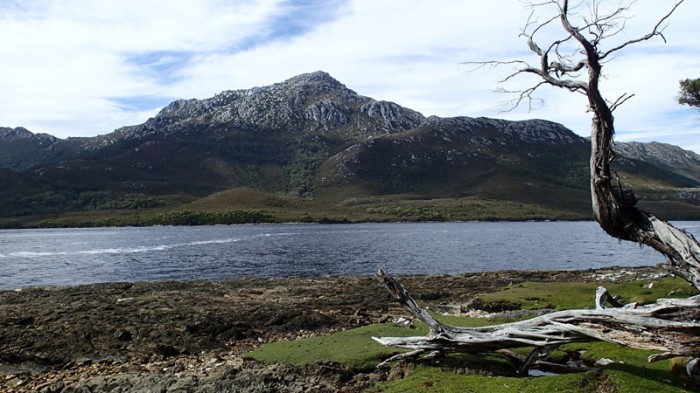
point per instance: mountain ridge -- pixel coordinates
(312, 137)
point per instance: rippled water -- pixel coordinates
(79, 256)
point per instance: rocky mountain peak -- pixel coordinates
(271, 106)
(319, 80)
(15, 133)
(307, 103)
(21, 133)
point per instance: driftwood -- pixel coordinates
(670, 326)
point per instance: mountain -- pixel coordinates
(663, 156)
(272, 138)
(312, 137)
(21, 149)
(454, 155)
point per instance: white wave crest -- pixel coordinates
(121, 250)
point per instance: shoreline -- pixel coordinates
(133, 329)
(516, 272)
(322, 221)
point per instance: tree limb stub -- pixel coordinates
(670, 326)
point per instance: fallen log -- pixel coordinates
(669, 326)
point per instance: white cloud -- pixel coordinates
(74, 68)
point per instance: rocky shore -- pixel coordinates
(190, 336)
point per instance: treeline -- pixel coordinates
(415, 213)
(52, 202)
(175, 218)
(210, 218)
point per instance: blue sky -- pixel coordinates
(75, 68)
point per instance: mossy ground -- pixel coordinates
(570, 295)
(628, 370)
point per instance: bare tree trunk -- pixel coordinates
(614, 207)
(670, 325)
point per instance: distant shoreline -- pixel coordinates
(53, 225)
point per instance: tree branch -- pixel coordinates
(670, 326)
(656, 31)
(621, 100)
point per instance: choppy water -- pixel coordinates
(80, 256)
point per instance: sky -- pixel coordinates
(74, 68)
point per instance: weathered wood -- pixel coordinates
(539, 363)
(602, 296)
(580, 71)
(670, 326)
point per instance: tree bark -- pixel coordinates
(670, 325)
(614, 207)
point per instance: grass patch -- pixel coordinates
(629, 371)
(354, 348)
(573, 295)
(432, 379)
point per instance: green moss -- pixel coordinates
(629, 373)
(354, 347)
(629, 370)
(529, 295)
(431, 379)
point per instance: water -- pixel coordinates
(80, 256)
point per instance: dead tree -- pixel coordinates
(574, 62)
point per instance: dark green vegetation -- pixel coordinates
(627, 371)
(690, 92)
(176, 217)
(532, 296)
(310, 149)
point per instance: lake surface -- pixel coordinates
(79, 256)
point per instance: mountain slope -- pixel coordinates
(311, 136)
(21, 149)
(665, 157)
(532, 161)
(270, 137)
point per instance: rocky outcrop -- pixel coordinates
(662, 155)
(453, 145)
(308, 103)
(14, 133)
(21, 133)
(21, 149)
